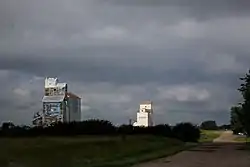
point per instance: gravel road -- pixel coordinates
(223, 152)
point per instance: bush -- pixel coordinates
(159, 130)
(162, 130)
(125, 130)
(209, 125)
(89, 127)
(186, 132)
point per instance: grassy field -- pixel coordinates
(209, 135)
(85, 151)
(243, 139)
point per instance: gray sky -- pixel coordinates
(185, 56)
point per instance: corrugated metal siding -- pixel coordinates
(53, 99)
(74, 110)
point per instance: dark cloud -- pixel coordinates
(127, 66)
(186, 56)
(201, 9)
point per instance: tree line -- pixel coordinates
(212, 125)
(240, 113)
(186, 132)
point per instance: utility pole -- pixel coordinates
(69, 110)
(130, 121)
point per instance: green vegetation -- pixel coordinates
(87, 151)
(240, 114)
(91, 143)
(243, 139)
(209, 125)
(236, 122)
(185, 131)
(209, 135)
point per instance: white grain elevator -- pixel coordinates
(145, 114)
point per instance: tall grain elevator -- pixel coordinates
(59, 105)
(145, 114)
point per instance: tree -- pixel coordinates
(225, 127)
(186, 132)
(7, 126)
(244, 89)
(209, 125)
(236, 121)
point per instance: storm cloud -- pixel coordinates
(185, 56)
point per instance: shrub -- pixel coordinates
(209, 125)
(186, 132)
(162, 130)
(183, 131)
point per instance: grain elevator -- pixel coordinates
(58, 105)
(145, 114)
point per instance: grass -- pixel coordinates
(209, 135)
(242, 139)
(85, 151)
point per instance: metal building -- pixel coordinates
(59, 105)
(145, 114)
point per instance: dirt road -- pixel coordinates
(226, 137)
(224, 152)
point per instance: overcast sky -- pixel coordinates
(184, 55)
